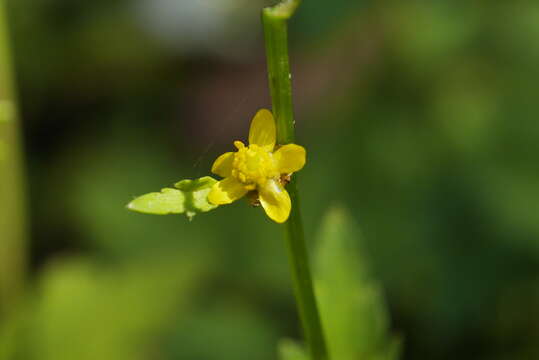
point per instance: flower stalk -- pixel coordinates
(12, 202)
(275, 25)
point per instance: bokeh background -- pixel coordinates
(420, 118)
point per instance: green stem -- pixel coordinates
(274, 20)
(12, 209)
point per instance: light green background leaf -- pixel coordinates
(84, 311)
(352, 306)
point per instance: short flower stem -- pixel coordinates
(12, 213)
(274, 20)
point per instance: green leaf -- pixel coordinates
(291, 350)
(190, 197)
(168, 201)
(351, 303)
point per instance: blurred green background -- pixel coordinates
(419, 117)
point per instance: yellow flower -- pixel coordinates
(258, 168)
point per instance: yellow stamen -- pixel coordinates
(253, 165)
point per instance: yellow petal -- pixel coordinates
(290, 158)
(263, 132)
(223, 165)
(275, 201)
(226, 191)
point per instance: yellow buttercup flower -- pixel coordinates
(258, 168)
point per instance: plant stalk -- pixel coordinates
(12, 199)
(274, 20)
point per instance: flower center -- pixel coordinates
(253, 165)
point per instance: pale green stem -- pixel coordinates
(12, 200)
(275, 24)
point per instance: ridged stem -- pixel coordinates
(274, 20)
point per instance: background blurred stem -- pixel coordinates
(12, 209)
(276, 38)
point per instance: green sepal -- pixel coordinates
(205, 182)
(190, 198)
(196, 195)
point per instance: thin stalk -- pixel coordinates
(12, 201)
(274, 20)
